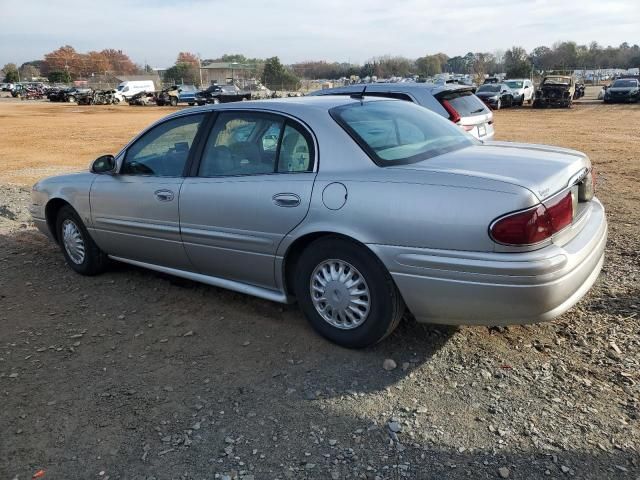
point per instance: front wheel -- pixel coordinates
(173, 101)
(78, 248)
(346, 293)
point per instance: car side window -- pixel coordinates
(256, 143)
(163, 151)
(295, 151)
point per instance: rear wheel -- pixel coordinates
(173, 101)
(346, 293)
(78, 248)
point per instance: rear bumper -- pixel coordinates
(472, 288)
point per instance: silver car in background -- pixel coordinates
(453, 101)
(360, 207)
(524, 89)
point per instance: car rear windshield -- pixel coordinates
(489, 88)
(556, 81)
(625, 84)
(464, 102)
(395, 132)
(515, 84)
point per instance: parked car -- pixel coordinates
(177, 94)
(70, 94)
(555, 90)
(365, 205)
(623, 90)
(6, 87)
(523, 88)
(452, 101)
(497, 95)
(221, 94)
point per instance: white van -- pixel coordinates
(128, 89)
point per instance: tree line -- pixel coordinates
(66, 64)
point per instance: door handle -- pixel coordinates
(286, 199)
(164, 195)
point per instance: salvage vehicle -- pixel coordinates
(97, 97)
(555, 91)
(128, 89)
(452, 101)
(221, 94)
(365, 205)
(142, 99)
(67, 94)
(523, 88)
(625, 90)
(177, 94)
(497, 95)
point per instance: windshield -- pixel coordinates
(625, 84)
(515, 84)
(556, 81)
(489, 88)
(396, 132)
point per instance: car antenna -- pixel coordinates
(360, 95)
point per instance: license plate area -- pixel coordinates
(482, 130)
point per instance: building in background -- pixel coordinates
(223, 73)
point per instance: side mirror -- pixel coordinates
(526, 86)
(104, 164)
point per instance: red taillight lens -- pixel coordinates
(454, 116)
(560, 212)
(535, 224)
(468, 128)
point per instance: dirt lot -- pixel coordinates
(136, 375)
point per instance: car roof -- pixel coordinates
(407, 87)
(290, 105)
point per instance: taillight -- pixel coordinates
(587, 187)
(535, 224)
(454, 116)
(468, 128)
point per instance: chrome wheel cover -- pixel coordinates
(73, 241)
(340, 294)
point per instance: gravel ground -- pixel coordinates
(137, 375)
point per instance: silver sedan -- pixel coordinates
(354, 207)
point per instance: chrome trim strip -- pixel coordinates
(143, 225)
(272, 295)
(219, 235)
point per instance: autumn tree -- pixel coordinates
(119, 63)
(188, 58)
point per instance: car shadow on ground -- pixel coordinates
(140, 375)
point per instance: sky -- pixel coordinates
(154, 31)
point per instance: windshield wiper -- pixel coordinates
(478, 111)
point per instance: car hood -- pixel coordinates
(542, 169)
(621, 89)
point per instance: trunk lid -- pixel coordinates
(542, 169)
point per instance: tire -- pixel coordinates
(92, 260)
(191, 104)
(215, 101)
(384, 302)
(173, 101)
(201, 104)
(71, 99)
